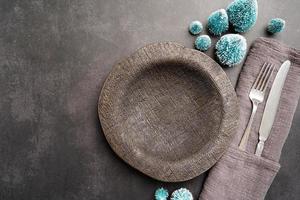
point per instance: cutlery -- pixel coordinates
(271, 106)
(256, 96)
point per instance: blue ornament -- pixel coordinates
(161, 194)
(242, 14)
(195, 27)
(182, 194)
(231, 49)
(203, 42)
(276, 25)
(218, 22)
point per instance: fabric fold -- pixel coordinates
(242, 175)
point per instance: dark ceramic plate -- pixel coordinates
(168, 111)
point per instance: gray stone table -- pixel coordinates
(54, 57)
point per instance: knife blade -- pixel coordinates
(272, 106)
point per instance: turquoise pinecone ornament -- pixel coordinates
(218, 22)
(182, 194)
(242, 14)
(231, 49)
(276, 25)
(195, 27)
(203, 43)
(161, 194)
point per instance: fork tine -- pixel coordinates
(262, 76)
(265, 77)
(269, 78)
(259, 75)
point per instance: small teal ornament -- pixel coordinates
(195, 27)
(182, 194)
(242, 14)
(161, 194)
(276, 25)
(218, 22)
(203, 42)
(231, 49)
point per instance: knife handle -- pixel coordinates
(260, 147)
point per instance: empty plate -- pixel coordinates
(168, 111)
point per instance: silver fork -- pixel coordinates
(256, 96)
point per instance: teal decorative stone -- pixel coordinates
(161, 194)
(182, 194)
(203, 42)
(242, 14)
(276, 25)
(195, 27)
(218, 22)
(231, 49)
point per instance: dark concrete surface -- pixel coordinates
(54, 57)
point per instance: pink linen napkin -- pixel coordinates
(240, 175)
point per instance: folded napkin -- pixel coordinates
(240, 175)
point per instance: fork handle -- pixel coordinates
(244, 140)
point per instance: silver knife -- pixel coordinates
(271, 106)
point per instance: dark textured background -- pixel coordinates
(54, 56)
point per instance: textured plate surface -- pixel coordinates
(168, 111)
